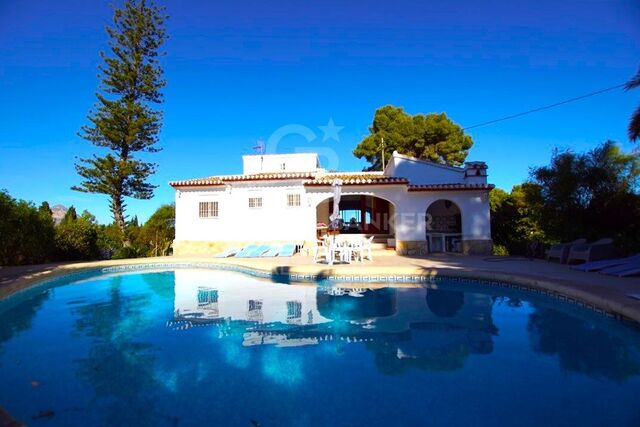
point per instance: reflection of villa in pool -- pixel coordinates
(231, 297)
(415, 327)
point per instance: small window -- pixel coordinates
(208, 209)
(283, 166)
(293, 200)
(255, 202)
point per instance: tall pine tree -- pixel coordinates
(123, 119)
(431, 136)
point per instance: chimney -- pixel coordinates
(475, 172)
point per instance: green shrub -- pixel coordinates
(500, 250)
(26, 233)
(77, 238)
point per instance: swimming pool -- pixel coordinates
(190, 347)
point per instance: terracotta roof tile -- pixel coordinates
(220, 180)
(327, 178)
(356, 178)
(311, 178)
(450, 187)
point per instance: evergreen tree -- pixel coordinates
(70, 216)
(45, 208)
(124, 120)
(431, 137)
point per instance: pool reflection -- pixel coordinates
(404, 328)
(182, 347)
(571, 339)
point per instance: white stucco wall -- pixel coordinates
(261, 163)
(421, 172)
(277, 222)
(274, 221)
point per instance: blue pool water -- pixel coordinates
(202, 347)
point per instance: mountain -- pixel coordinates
(58, 212)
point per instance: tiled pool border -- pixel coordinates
(373, 278)
(280, 274)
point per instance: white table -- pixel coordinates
(343, 246)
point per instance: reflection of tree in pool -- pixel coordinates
(162, 284)
(391, 360)
(444, 340)
(120, 370)
(582, 348)
(371, 303)
(444, 303)
(19, 317)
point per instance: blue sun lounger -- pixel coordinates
(274, 250)
(260, 250)
(228, 253)
(628, 269)
(246, 251)
(253, 251)
(287, 250)
(605, 263)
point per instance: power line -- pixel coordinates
(546, 107)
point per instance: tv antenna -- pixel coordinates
(260, 147)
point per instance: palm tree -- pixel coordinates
(634, 124)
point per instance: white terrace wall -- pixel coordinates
(237, 224)
(420, 172)
(299, 162)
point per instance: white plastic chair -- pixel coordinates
(321, 250)
(367, 248)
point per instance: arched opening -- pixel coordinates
(444, 226)
(360, 214)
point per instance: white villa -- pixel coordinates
(416, 206)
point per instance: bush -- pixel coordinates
(77, 240)
(516, 218)
(26, 233)
(500, 250)
(158, 232)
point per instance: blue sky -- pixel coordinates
(240, 70)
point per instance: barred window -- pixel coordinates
(255, 202)
(208, 209)
(293, 200)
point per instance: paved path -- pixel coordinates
(608, 293)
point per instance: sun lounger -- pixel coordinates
(587, 252)
(258, 251)
(287, 250)
(228, 253)
(606, 263)
(561, 251)
(629, 269)
(274, 250)
(246, 251)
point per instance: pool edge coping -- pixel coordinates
(381, 276)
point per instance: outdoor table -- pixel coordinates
(342, 246)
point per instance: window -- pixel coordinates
(294, 312)
(293, 200)
(207, 296)
(283, 166)
(208, 209)
(255, 202)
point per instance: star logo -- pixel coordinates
(331, 131)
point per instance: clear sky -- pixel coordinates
(241, 70)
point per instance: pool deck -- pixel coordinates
(611, 294)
